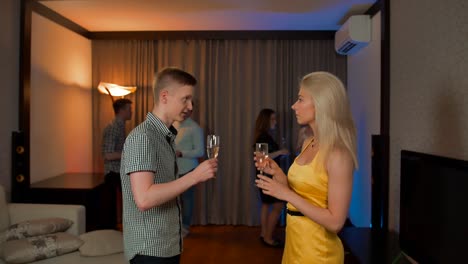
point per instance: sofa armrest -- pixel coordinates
(21, 212)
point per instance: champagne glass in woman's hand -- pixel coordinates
(212, 146)
(261, 153)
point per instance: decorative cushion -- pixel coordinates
(40, 247)
(36, 227)
(101, 243)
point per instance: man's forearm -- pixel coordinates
(147, 195)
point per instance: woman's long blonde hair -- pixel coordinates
(334, 123)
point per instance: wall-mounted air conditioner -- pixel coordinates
(353, 35)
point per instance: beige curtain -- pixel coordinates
(124, 63)
(237, 78)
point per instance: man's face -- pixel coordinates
(127, 112)
(179, 102)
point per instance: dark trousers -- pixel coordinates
(188, 200)
(142, 259)
(111, 202)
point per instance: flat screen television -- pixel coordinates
(433, 208)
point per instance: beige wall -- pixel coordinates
(429, 84)
(9, 74)
(61, 118)
(364, 94)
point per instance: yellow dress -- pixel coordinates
(306, 241)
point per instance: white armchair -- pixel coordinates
(21, 212)
(12, 213)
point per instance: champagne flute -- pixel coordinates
(261, 152)
(212, 146)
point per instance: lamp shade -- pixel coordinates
(115, 89)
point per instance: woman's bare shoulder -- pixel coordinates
(339, 157)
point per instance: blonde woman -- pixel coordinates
(319, 183)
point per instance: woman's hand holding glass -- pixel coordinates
(277, 186)
(273, 187)
(270, 167)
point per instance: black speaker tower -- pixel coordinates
(19, 168)
(380, 183)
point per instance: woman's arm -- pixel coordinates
(340, 181)
(277, 153)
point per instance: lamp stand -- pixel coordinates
(109, 93)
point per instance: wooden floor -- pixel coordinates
(233, 244)
(229, 244)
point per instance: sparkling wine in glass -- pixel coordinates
(261, 152)
(212, 146)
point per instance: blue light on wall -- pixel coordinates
(360, 208)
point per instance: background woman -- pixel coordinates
(265, 126)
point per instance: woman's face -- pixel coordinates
(304, 108)
(272, 121)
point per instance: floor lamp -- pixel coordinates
(115, 90)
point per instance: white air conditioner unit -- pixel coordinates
(353, 35)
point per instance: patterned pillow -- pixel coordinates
(35, 227)
(40, 247)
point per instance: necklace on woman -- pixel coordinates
(312, 143)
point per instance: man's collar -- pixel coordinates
(170, 132)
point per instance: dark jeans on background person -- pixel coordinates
(112, 189)
(188, 198)
(143, 259)
(187, 206)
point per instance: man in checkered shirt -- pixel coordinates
(112, 144)
(150, 182)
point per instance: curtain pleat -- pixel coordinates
(236, 79)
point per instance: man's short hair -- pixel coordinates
(168, 76)
(119, 104)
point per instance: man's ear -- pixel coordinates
(163, 96)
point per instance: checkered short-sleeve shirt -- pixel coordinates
(157, 231)
(112, 141)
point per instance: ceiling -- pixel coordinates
(186, 15)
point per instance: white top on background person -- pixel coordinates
(189, 144)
